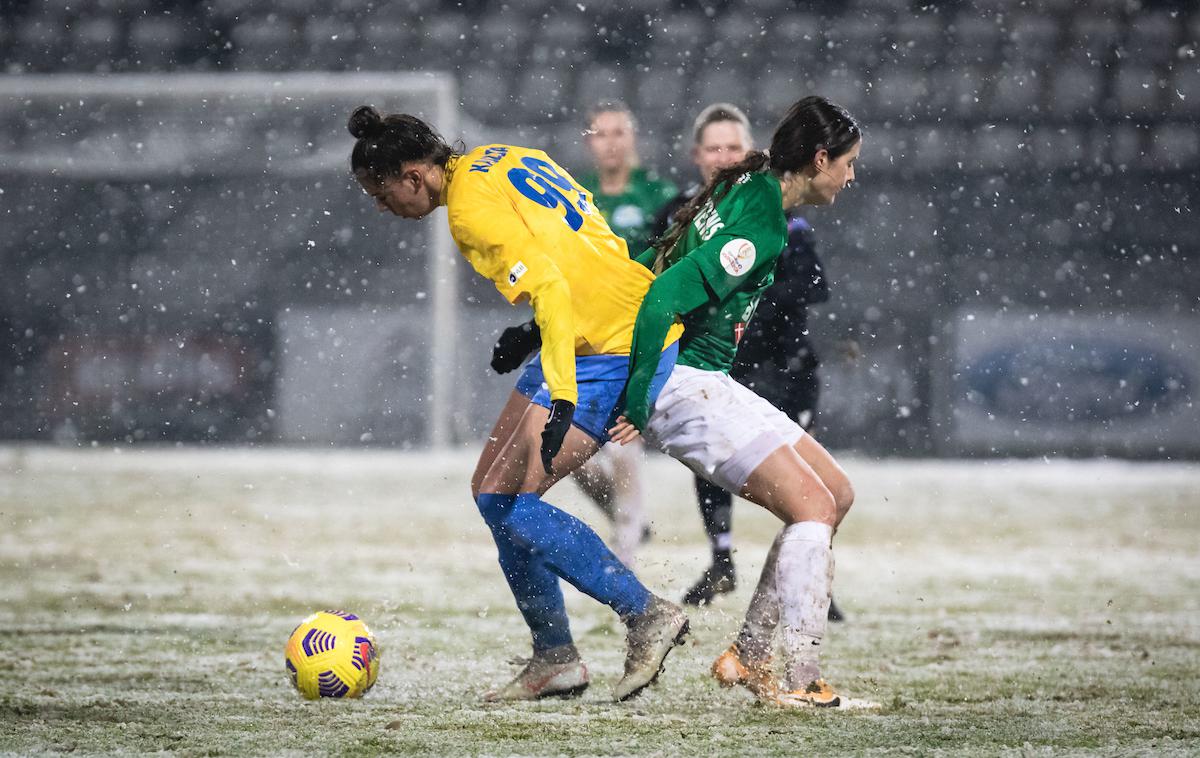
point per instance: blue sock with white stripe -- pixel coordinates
(535, 587)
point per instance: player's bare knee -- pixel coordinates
(506, 476)
(843, 496)
(477, 480)
(814, 503)
(827, 512)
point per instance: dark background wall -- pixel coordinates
(1019, 163)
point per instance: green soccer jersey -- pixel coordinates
(631, 213)
(713, 281)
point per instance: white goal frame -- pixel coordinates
(440, 89)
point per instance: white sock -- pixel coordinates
(804, 581)
(758, 629)
(629, 510)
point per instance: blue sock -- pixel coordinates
(572, 550)
(536, 588)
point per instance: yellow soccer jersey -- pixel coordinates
(526, 225)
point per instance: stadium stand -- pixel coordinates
(1078, 108)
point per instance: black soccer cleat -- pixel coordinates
(717, 579)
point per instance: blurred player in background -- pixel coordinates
(713, 264)
(774, 356)
(629, 197)
(525, 224)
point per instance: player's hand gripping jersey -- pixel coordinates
(712, 282)
(524, 223)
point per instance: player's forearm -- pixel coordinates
(646, 259)
(552, 311)
(678, 291)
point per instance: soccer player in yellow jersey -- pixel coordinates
(525, 224)
(628, 197)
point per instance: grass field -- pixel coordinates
(1020, 608)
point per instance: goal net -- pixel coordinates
(188, 257)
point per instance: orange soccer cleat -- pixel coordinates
(817, 694)
(729, 669)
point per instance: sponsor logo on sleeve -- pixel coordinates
(737, 256)
(516, 272)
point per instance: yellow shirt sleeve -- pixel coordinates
(500, 247)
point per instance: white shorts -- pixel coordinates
(716, 427)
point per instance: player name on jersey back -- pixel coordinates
(491, 156)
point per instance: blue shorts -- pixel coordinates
(531, 379)
(600, 379)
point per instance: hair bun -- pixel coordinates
(365, 122)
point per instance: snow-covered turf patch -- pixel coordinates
(995, 607)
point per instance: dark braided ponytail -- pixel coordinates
(755, 160)
(810, 125)
(385, 144)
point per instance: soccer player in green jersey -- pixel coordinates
(775, 357)
(714, 264)
(627, 195)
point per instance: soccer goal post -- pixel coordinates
(217, 193)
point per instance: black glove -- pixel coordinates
(561, 413)
(514, 346)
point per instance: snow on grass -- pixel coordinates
(995, 607)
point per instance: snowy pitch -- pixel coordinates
(994, 608)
